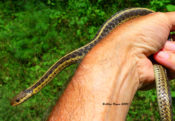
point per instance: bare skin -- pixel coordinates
(115, 68)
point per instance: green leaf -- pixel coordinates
(170, 7)
(173, 94)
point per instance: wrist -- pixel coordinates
(112, 78)
(107, 75)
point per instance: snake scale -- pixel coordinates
(163, 94)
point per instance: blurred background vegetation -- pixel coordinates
(35, 34)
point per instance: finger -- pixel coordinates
(171, 17)
(166, 58)
(169, 46)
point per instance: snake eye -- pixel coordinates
(17, 100)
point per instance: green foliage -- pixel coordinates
(162, 5)
(170, 7)
(35, 34)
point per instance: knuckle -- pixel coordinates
(161, 14)
(163, 17)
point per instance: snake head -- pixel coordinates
(21, 97)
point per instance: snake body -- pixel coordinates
(163, 93)
(78, 54)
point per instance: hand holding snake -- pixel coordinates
(136, 40)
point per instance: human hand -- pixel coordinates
(166, 57)
(148, 35)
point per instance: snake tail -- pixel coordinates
(163, 93)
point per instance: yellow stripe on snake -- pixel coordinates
(163, 95)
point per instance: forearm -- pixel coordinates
(107, 75)
(114, 69)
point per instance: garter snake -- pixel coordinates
(164, 98)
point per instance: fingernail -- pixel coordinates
(163, 55)
(170, 46)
